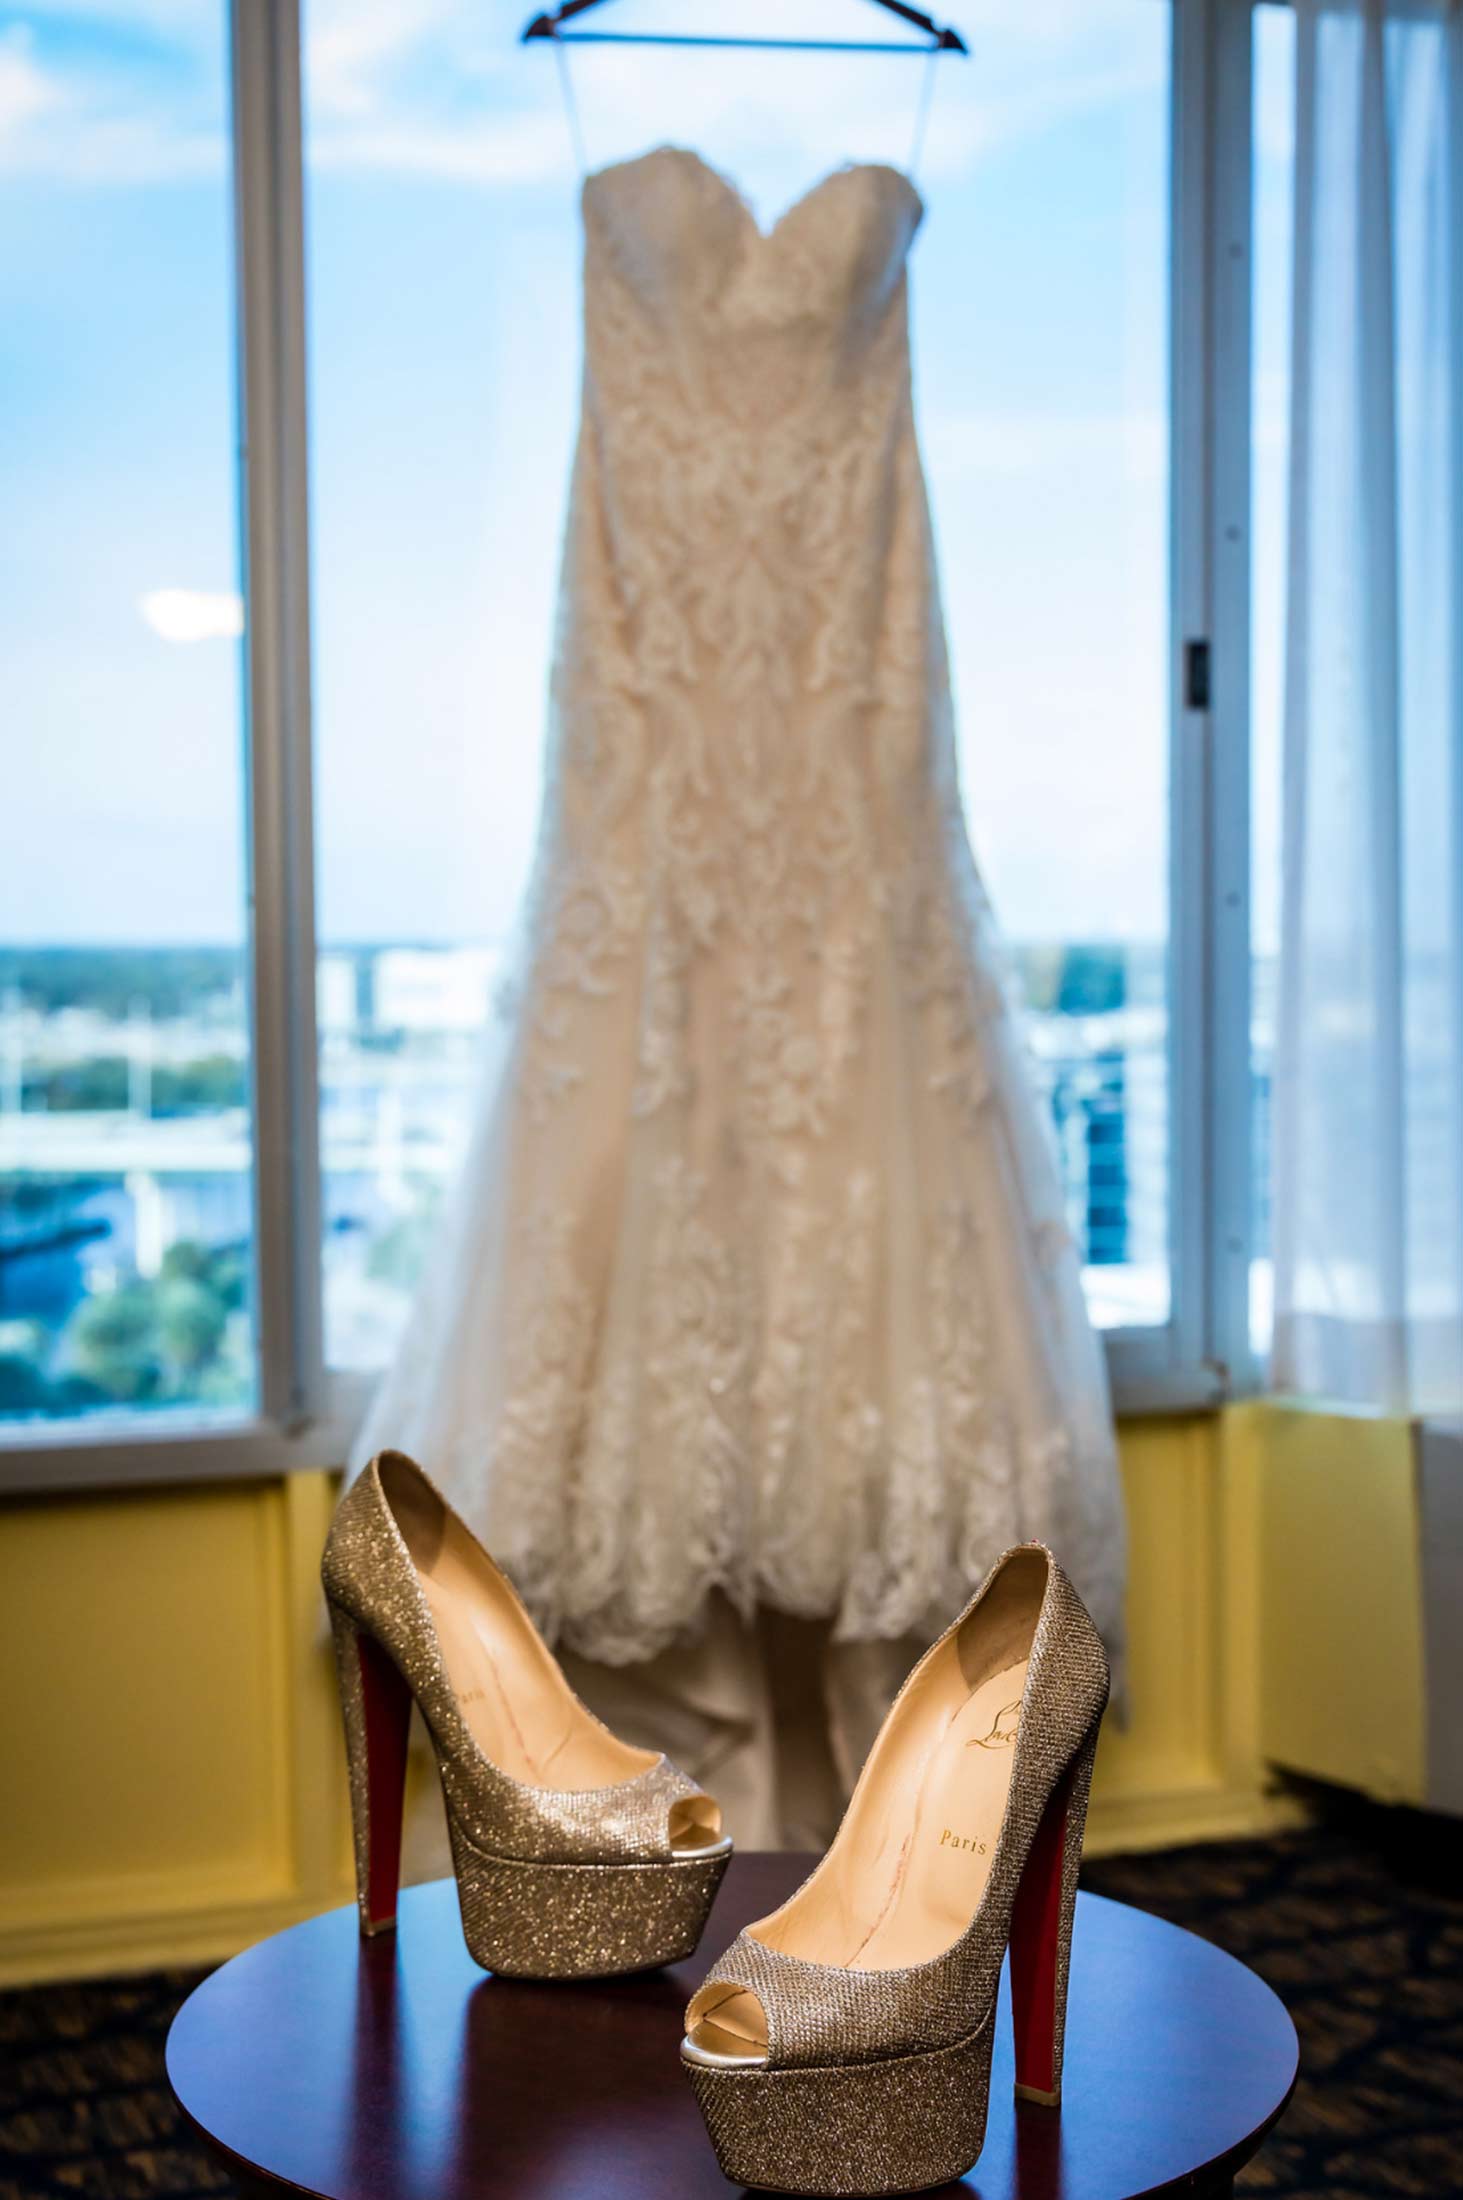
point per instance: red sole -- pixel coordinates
(1036, 1921)
(386, 1702)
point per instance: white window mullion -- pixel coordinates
(1229, 1069)
(1210, 940)
(1190, 625)
(270, 257)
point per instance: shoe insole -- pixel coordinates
(950, 1833)
(519, 1708)
(925, 1863)
(527, 1720)
(520, 1711)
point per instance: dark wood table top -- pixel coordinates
(394, 2069)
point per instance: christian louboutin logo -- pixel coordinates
(949, 1840)
(1003, 1729)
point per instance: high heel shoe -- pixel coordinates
(843, 2045)
(576, 1856)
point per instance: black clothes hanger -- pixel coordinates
(941, 39)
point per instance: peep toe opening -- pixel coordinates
(726, 2028)
(694, 1827)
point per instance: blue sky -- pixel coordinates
(443, 249)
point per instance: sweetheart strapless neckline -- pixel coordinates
(735, 192)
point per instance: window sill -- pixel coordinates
(63, 1459)
(154, 1451)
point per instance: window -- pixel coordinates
(1042, 310)
(1073, 304)
(127, 1280)
(443, 352)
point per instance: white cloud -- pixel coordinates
(517, 149)
(349, 48)
(79, 124)
(27, 94)
(193, 614)
(963, 131)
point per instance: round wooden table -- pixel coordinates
(394, 2069)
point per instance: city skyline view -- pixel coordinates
(126, 1207)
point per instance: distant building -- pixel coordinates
(433, 988)
(337, 1013)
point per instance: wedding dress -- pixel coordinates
(757, 1279)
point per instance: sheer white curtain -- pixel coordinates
(1369, 1067)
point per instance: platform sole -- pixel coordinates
(527, 1920)
(850, 2130)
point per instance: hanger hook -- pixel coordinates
(944, 39)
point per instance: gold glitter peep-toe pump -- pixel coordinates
(576, 1856)
(843, 2045)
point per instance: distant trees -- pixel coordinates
(180, 1337)
(115, 981)
(109, 1341)
(101, 1082)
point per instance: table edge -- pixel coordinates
(1217, 2167)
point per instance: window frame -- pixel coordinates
(1201, 1355)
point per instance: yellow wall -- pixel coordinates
(1341, 1597)
(1187, 1765)
(168, 1736)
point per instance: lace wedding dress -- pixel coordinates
(756, 1279)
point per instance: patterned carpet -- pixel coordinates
(1359, 1928)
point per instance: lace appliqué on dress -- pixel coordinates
(761, 1280)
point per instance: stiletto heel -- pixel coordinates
(575, 1855)
(376, 1708)
(843, 2045)
(1041, 1935)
